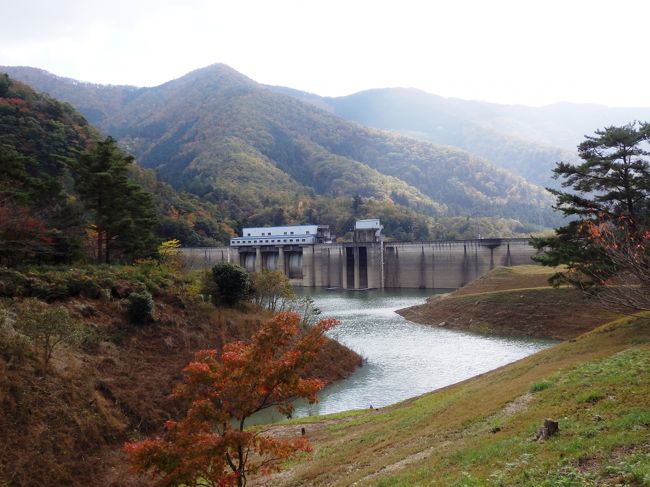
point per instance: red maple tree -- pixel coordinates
(210, 445)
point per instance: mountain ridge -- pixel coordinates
(219, 134)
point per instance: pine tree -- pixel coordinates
(610, 184)
(123, 214)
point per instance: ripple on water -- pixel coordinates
(402, 359)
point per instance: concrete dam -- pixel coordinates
(369, 264)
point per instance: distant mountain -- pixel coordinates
(525, 140)
(230, 140)
(562, 125)
(433, 118)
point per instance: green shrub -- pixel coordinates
(232, 284)
(540, 386)
(46, 290)
(591, 396)
(12, 283)
(82, 285)
(90, 340)
(271, 290)
(122, 288)
(140, 308)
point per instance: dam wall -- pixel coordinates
(372, 265)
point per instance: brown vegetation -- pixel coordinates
(67, 428)
(513, 301)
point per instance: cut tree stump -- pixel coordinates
(549, 429)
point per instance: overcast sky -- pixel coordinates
(532, 52)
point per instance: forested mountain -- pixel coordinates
(433, 118)
(265, 157)
(94, 101)
(43, 145)
(525, 140)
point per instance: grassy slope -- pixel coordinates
(597, 386)
(479, 432)
(515, 301)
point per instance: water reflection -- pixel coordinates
(402, 359)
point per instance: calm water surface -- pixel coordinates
(401, 359)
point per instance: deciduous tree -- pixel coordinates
(22, 236)
(210, 446)
(628, 289)
(48, 327)
(271, 290)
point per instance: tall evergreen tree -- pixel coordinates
(123, 214)
(612, 183)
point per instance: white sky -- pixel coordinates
(532, 52)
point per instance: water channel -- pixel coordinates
(401, 359)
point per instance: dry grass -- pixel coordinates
(513, 301)
(509, 278)
(68, 428)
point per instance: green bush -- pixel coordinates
(90, 340)
(591, 396)
(271, 290)
(122, 288)
(140, 308)
(81, 285)
(540, 386)
(12, 283)
(231, 282)
(47, 290)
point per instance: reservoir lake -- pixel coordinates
(401, 359)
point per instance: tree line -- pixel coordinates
(68, 195)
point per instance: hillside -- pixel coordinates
(68, 427)
(439, 120)
(513, 301)
(96, 102)
(222, 136)
(481, 431)
(527, 141)
(41, 141)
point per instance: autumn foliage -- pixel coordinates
(22, 236)
(625, 285)
(210, 446)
